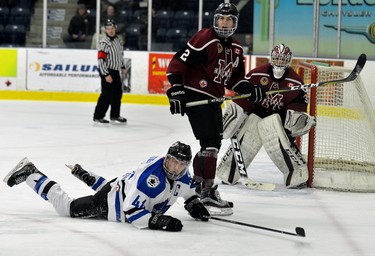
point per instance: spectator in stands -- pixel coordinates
(79, 30)
(248, 48)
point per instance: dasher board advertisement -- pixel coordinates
(63, 70)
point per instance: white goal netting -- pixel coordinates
(341, 154)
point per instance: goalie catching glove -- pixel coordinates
(177, 99)
(298, 123)
(196, 209)
(164, 222)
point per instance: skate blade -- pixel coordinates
(24, 161)
(215, 211)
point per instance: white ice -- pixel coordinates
(52, 134)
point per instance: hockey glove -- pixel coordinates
(298, 123)
(258, 94)
(177, 99)
(196, 209)
(164, 222)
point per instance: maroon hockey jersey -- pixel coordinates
(207, 64)
(279, 102)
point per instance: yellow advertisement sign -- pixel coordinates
(8, 60)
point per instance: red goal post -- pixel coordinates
(340, 150)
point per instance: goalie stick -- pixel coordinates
(300, 232)
(240, 163)
(351, 77)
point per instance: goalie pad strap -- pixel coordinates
(245, 141)
(282, 152)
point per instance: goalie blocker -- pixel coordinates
(285, 155)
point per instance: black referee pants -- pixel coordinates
(111, 95)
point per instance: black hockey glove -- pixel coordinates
(258, 93)
(164, 222)
(196, 209)
(177, 99)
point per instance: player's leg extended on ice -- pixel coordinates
(86, 207)
(284, 154)
(91, 179)
(49, 190)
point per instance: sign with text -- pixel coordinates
(157, 68)
(62, 70)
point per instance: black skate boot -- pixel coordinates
(20, 172)
(82, 174)
(210, 197)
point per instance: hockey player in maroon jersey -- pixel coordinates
(274, 122)
(211, 61)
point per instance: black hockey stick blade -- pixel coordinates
(351, 77)
(300, 232)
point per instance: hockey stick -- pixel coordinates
(351, 77)
(300, 232)
(217, 100)
(240, 163)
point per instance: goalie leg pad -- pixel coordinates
(249, 142)
(282, 152)
(233, 117)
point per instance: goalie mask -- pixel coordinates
(222, 11)
(177, 160)
(280, 60)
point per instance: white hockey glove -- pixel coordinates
(298, 123)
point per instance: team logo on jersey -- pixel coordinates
(203, 83)
(219, 48)
(153, 181)
(264, 81)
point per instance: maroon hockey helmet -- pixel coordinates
(226, 9)
(280, 59)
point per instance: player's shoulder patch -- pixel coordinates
(152, 181)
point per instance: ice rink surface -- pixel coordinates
(52, 134)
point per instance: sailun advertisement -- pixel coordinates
(54, 71)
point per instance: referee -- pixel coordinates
(111, 62)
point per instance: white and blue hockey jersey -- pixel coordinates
(137, 195)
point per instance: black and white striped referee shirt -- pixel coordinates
(110, 55)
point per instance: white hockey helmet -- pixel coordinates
(280, 60)
(222, 10)
(177, 160)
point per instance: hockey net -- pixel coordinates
(340, 151)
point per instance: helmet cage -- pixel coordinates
(173, 175)
(225, 32)
(280, 60)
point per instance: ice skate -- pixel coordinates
(118, 120)
(101, 122)
(20, 172)
(210, 197)
(82, 174)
